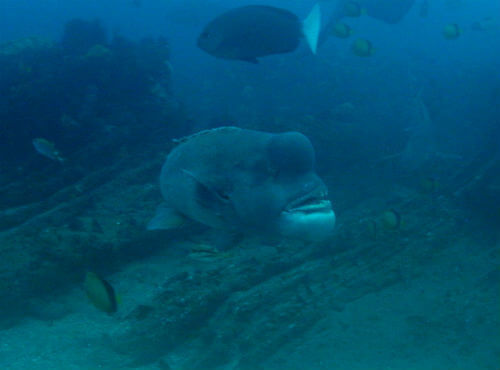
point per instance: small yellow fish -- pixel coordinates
(428, 185)
(391, 219)
(47, 149)
(353, 9)
(100, 293)
(342, 30)
(451, 31)
(362, 48)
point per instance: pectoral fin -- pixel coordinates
(166, 218)
(208, 196)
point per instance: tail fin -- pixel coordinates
(311, 27)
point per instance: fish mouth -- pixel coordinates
(312, 202)
(309, 217)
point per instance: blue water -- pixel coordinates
(412, 131)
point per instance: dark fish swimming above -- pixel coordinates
(388, 11)
(255, 31)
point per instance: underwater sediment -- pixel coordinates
(107, 105)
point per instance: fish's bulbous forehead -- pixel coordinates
(291, 152)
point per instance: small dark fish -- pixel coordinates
(423, 12)
(353, 9)
(453, 4)
(100, 293)
(451, 31)
(388, 11)
(136, 3)
(485, 24)
(47, 149)
(255, 31)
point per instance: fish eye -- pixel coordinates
(205, 34)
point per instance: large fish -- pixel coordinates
(245, 181)
(254, 31)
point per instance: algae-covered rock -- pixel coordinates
(98, 51)
(80, 35)
(92, 97)
(99, 83)
(19, 46)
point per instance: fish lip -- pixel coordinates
(313, 201)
